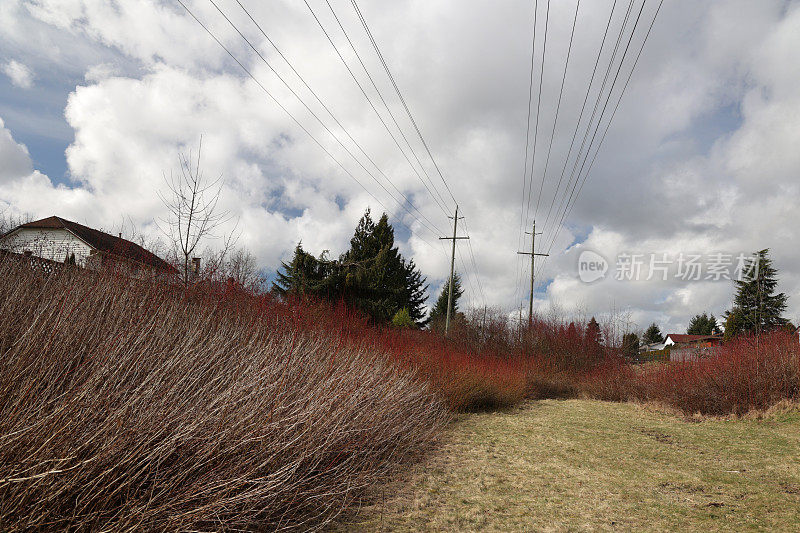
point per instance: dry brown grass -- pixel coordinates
(586, 465)
(131, 406)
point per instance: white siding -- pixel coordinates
(53, 244)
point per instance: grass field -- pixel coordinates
(580, 465)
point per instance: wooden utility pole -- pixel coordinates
(454, 238)
(533, 255)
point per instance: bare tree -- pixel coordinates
(241, 267)
(130, 231)
(9, 221)
(192, 205)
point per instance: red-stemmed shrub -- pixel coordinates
(747, 373)
(128, 405)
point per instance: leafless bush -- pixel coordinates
(126, 405)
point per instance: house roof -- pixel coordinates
(681, 338)
(102, 242)
(652, 345)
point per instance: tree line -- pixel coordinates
(757, 308)
(371, 276)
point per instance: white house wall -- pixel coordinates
(53, 244)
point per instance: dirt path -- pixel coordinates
(584, 466)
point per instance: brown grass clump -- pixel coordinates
(127, 405)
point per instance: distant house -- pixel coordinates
(679, 340)
(64, 241)
(652, 347)
(691, 347)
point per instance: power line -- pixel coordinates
(400, 95)
(583, 108)
(558, 108)
(527, 145)
(371, 175)
(562, 205)
(605, 105)
(616, 107)
(285, 110)
(472, 292)
(316, 96)
(369, 100)
(416, 128)
(440, 200)
(538, 107)
(391, 114)
(475, 265)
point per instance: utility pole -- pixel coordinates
(454, 238)
(533, 255)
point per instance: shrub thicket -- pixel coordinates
(747, 373)
(128, 405)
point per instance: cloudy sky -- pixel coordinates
(98, 98)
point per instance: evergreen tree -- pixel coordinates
(630, 346)
(593, 351)
(368, 240)
(652, 335)
(716, 329)
(703, 325)
(375, 277)
(439, 311)
(593, 333)
(734, 323)
(302, 276)
(415, 292)
(572, 332)
(756, 307)
(402, 319)
(371, 276)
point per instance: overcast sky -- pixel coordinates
(97, 99)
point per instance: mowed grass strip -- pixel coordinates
(581, 465)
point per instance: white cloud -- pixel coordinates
(20, 75)
(15, 158)
(702, 154)
(101, 71)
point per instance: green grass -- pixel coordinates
(582, 465)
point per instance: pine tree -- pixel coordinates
(593, 343)
(630, 346)
(367, 241)
(756, 307)
(703, 325)
(439, 311)
(572, 332)
(302, 276)
(652, 335)
(371, 276)
(593, 333)
(375, 278)
(415, 292)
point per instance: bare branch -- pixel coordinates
(192, 205)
